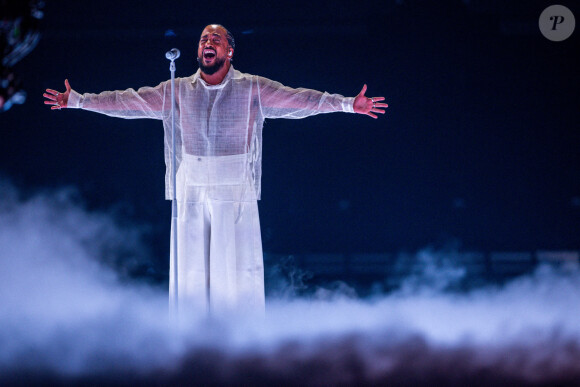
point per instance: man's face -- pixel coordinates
(213, 49)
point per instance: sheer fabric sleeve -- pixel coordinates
(147, 102)
(279, 101)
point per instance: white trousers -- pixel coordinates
(219, 266)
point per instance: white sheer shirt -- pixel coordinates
(215, 120)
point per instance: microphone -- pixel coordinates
(172, 54)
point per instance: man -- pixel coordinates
(219, 117)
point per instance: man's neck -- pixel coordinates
(218, 76)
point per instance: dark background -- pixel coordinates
(478, 149)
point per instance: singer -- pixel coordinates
(219, 117)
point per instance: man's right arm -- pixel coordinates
(147, 102)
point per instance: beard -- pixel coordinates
(210, 70)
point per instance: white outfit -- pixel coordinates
(219, 163)
(220, 265)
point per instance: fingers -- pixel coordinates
(54, 104)
(52, 99)
(67, 85)
(364, 90)
(49, 96)
(377, 107)
(369, 106)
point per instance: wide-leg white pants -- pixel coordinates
(219, 262)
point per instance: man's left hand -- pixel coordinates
(368, 106)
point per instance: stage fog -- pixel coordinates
(68, 316)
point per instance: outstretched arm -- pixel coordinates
(147, 102)
(279, 101)
(368, 106)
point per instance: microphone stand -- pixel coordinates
(172, 55)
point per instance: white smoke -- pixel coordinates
(66, 317)
(62, 306)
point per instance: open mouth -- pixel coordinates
(209, 54)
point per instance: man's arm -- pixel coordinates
(280, 101)
(147, 102)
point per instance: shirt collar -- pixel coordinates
(197, 77)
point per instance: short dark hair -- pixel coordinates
(229, 37)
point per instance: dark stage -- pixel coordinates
(436, 245)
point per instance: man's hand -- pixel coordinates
(368, 106)
(56, 99)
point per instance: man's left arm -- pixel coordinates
(278, 101)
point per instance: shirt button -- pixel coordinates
(199, 159)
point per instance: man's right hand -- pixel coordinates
(56, 99)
